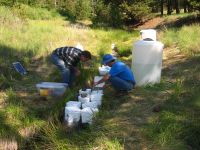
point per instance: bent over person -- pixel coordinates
(120, 75)
(66, 59)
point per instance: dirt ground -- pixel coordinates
(151, 24)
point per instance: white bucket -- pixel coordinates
(90, 105)
(147, 62)
(72, 115)
(83, 99)
(87, 114)
(96, 98)
(97, 92)
(104, 70)
(87, 91)
(73, 104)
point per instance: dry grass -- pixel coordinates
(8, 144)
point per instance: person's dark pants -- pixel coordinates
(68, 73)
(120, 84)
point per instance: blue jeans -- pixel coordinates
(120, 84)
(68, 73)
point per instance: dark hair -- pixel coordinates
(112, 60)
(86, 54)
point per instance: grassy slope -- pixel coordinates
(123, 123)
(23, 113)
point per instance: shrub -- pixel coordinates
(28, 12)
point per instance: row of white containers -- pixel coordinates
(85, 108)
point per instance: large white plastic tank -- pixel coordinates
(147, 61)
(148, 34)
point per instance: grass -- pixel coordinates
(26, 117)
(31, 122)
(184, 39)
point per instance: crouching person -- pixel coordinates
(66, 59)
(120, 75)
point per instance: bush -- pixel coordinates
(195, 4)
(134, 12)
(117, 13)
(101, 14)
(76, 10)
(27, 12)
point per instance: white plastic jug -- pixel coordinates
(83, 99)
(72, 115)
(96, 98)
(148, 33)
(104, 70)
(147, 62)
(87, 114)
(86, 92)
(73, 104)
(90, 105)
(97, 92)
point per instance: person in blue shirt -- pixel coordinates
(120, 75)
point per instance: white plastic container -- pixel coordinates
(87, 114)
(96, 98)
(83, 99)
(72, 115)
(148, 33)
(85, 92)
(96, 79)
(73, 104)
(97, 92)
(147, 62)
(90, 105)
(51, 88)
(104, 70)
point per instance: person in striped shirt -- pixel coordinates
(67, 59)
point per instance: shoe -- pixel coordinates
(122, 93)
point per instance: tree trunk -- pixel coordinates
(169, 7)
(177, 6)
(161, 7)
(185, 6)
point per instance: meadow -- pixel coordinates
(31, 122)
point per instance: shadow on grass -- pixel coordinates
(25, 99)
(8, 56)
(178, 23)
(177, 125)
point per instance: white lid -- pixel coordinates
(51, 85)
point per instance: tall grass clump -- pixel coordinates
(188, 39)
(8, 18)
(185, 39)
